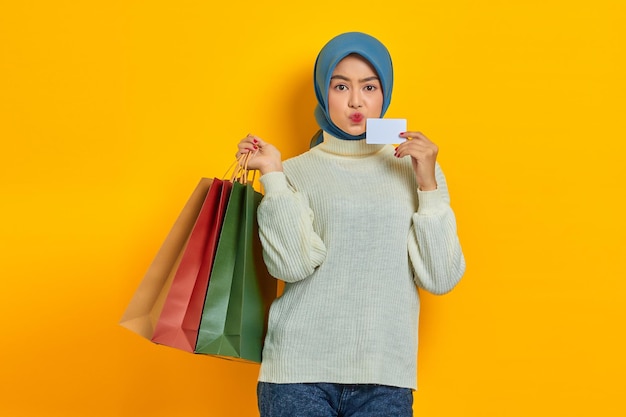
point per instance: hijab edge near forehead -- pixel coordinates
(338, 48)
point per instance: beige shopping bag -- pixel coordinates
(146, 304)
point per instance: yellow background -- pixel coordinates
(110, 112)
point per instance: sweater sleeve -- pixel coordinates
(291, 248)
(434, 248)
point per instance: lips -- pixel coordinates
(356, 117)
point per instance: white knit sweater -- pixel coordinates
(347, 229)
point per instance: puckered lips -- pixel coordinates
(357, 117)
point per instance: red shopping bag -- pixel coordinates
(179, 320)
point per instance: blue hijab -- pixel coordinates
(334, 51)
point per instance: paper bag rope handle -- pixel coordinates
(241, 173)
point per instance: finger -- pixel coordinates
(257, 141)
(413, 146)
(418, 152)
(413, 135)
(247, 145)
(244, 150)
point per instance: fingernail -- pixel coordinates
(256, 147)
(255, 141)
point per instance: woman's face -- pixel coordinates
(354, 95)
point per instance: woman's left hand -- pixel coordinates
(423, 154)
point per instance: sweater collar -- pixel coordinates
(341, 147)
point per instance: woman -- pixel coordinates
(354, 230)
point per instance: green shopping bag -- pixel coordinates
(240, 289)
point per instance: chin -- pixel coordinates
(354, 131)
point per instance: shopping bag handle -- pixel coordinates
(240, 172)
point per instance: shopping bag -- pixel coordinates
(253, 288)
(240, 289)
(147, 302)
(179, 320)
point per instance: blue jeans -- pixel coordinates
(333, 400)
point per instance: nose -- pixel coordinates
(355, 100)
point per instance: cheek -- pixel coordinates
(377, 105)
(332, 101)
(334, 105)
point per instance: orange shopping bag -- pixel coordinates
(145, 307)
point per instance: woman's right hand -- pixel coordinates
(264, 156)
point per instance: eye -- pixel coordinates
(370, 88)
(340, 87)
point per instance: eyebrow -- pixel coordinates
(364, 80)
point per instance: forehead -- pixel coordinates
(354, 64)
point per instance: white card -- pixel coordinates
(384, 131)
